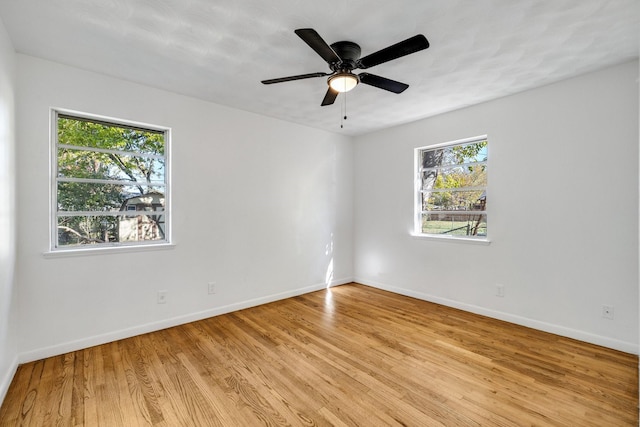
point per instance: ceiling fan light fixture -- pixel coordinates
(343, 82)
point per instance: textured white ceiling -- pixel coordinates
(220, 50)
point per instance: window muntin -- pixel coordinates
(106, 174)
(451, 189)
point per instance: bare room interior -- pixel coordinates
(367, 213)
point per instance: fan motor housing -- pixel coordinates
(349, 53)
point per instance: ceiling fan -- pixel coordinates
(344, 57)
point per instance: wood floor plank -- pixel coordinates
(90, 362)
(349, 356)
(109, 409)
(77, 397)
(45, 404)
(63, 387)
(20, 411)
(134, 386)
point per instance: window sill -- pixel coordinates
(63, 253)
(463, 240)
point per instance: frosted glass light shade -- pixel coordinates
(343, 82)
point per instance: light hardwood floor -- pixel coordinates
(353, 356)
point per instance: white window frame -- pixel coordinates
(57, 250)
(418, 212)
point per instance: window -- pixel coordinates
(451, 189)
(110, 182)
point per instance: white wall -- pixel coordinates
(562, 205)
(8, 292)
(262, 207)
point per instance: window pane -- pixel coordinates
(462, 176)
(454, 200)
(88, 164)
(80, 132)
(141, 228)
(93, 230)
(428, 179)
(458, 224)
(455, 155)
(457, 177)
(432, 158)
(78, 197)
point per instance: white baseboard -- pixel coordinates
(5, 382)
(627, 347)
(87, 342)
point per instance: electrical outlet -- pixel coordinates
(212, 287)
(607, 312)
(500, 290)
(162, 297)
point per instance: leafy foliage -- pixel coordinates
(475, 152)
(457, 180)
(103, 152)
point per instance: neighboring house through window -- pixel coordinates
(451, 189)
(110, 181)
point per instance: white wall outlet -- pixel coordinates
(212, 287)
(500, 290)
(162, 297)
(607, 312)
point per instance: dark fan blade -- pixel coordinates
(398, 50)
(315, 42)
(329, 97)
(382, 83)
(291, 78)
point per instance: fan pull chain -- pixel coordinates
(343, 113)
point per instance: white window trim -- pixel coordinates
(54, 251)
(450, 239)
(105, 250)
(417, 210)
